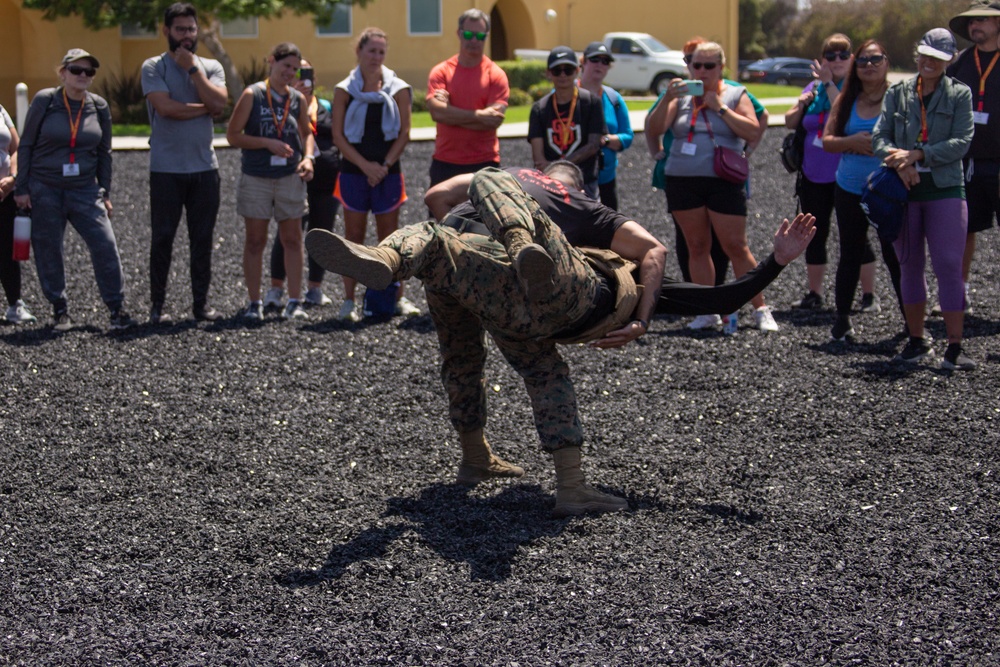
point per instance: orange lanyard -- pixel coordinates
(923, 110)
(982, 77)
(565, 126)
(284, 117)
(74, 126)
(698, 106)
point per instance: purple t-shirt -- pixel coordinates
(817, 165)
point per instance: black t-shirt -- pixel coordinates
(986, 140)
(588, 118)
(373, 146)
(584, 221)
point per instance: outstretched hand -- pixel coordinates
(793, 237)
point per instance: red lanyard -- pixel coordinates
(694, 117)
(982, 77)
(819, 130)
(74, 126)
(284, 117)
(923, 110)
(565, 126)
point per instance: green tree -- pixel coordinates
(751, 36)
(99, 14)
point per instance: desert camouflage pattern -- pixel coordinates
(472, 288)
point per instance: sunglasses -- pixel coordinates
(563, 70)
(468, 34)
(833, 55)
(77, 70)
(600, 60)
(707, 66)
(688, 57)
(865, 61)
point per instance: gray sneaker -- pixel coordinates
(294, 311)
(18, 313)
(253, 312)
(315, 297)
(272, 300)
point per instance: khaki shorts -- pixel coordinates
(265, 198)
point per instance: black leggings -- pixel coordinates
(853, 226)
(322, 210)
(10, 271)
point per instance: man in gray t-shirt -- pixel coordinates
(184, 93)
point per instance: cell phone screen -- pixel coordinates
(307, 74)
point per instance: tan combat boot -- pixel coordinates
(573, 495)
(479, 463)
(374, 267)
(533, 265)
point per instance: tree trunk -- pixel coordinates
(210, 38)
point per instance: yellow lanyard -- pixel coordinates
(565, 126)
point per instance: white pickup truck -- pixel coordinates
(641, 61)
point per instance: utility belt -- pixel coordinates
(465, 225)
(615, 302)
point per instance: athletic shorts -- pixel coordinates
(982, 195)
(689, 192)
(355, 194)
(265, 198)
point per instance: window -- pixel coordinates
(136, 31)
(340, 24)
(240, 27)
(424, 17)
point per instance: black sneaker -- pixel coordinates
(206, 314)
(955, 359)
(870, 303)
(842, 331)
(61, 321)
(915, 350)
(121, 320)
(811, 301)
(157, 316)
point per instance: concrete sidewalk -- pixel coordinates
(506, 131)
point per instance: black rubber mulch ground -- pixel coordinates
(225, 495)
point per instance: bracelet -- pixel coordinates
(644, 323)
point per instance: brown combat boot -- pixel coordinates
(375, 267)
(573, 495)
(533, 265)
(479, 463)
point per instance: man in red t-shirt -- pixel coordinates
(467, 98)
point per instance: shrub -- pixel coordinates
(523, 73)
(257, 70)
(124, 95)
(519, 98)
(419, 99)
(540, 90)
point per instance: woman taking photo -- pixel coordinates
(617, 135)
(848, 133)
(698, 198)
(64, 173)
(10, 269)
(924, 131)
(270, 123)
(819, 168)
(371, 127)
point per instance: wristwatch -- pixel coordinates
(193, 69)
(723, 110)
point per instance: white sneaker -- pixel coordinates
(272, 300)
(315, 297)
(349, 312)
(406, 308)
(705, 322)
(19, 314)
(764, 318)
(294, 311)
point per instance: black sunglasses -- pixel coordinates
(77, 70)
(563, 70)
(468, 34)
(601, 60)
(864, 61)
(708, 66)
(833, 55)
(688, 57)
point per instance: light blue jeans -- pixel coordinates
(51, 208)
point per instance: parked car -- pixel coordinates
(782, 71)
(642, 62)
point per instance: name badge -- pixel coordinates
(689, 148)
(818, 141)
(71, 169)
(278, 161)
(980, 117)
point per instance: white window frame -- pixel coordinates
(255, 22)
(350, 24)
(409, 22)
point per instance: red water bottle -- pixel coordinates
(22, 235)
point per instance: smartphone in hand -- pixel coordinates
(306, 75)
(695, 88)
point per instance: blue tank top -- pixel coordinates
(853, 170)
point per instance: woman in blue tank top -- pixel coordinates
(849, 131)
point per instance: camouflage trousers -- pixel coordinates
(472, 288)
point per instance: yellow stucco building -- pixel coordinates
(421, 34)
